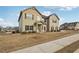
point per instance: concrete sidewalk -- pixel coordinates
(77, 51)
(50, 47)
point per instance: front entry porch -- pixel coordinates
(39, 26)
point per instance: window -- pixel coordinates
(44, 28)
(52, 28)
(28, 27)
(54, 21)
(31, 27)
(29, 16)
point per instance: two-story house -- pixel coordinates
(31, 20)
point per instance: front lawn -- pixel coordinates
(12, 42)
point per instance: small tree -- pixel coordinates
(0, 28)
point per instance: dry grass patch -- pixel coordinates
(70, 48)
(12, 42)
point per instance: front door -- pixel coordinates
(39, 28)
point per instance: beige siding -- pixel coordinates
(29, 21)
(40, 27)
(52, 24)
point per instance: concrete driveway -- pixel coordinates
(50, 47)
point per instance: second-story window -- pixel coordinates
(54, 21)
(29, 16)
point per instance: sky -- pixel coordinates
(9, 14)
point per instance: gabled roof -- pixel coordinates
(20, 15)
(43, 16)
(55, 15)
(28, 9)
(34, 9)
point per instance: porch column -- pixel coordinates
(37, 27)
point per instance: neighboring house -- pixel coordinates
(31, 20)
(70, 26)
(9, 29)
(53, 23)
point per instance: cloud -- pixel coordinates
(46, 13)
(5, 23)
(1, 19)
(68, 8)
(2, 22)
(61, 8)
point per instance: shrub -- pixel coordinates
(13, 32)
(33, 32)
